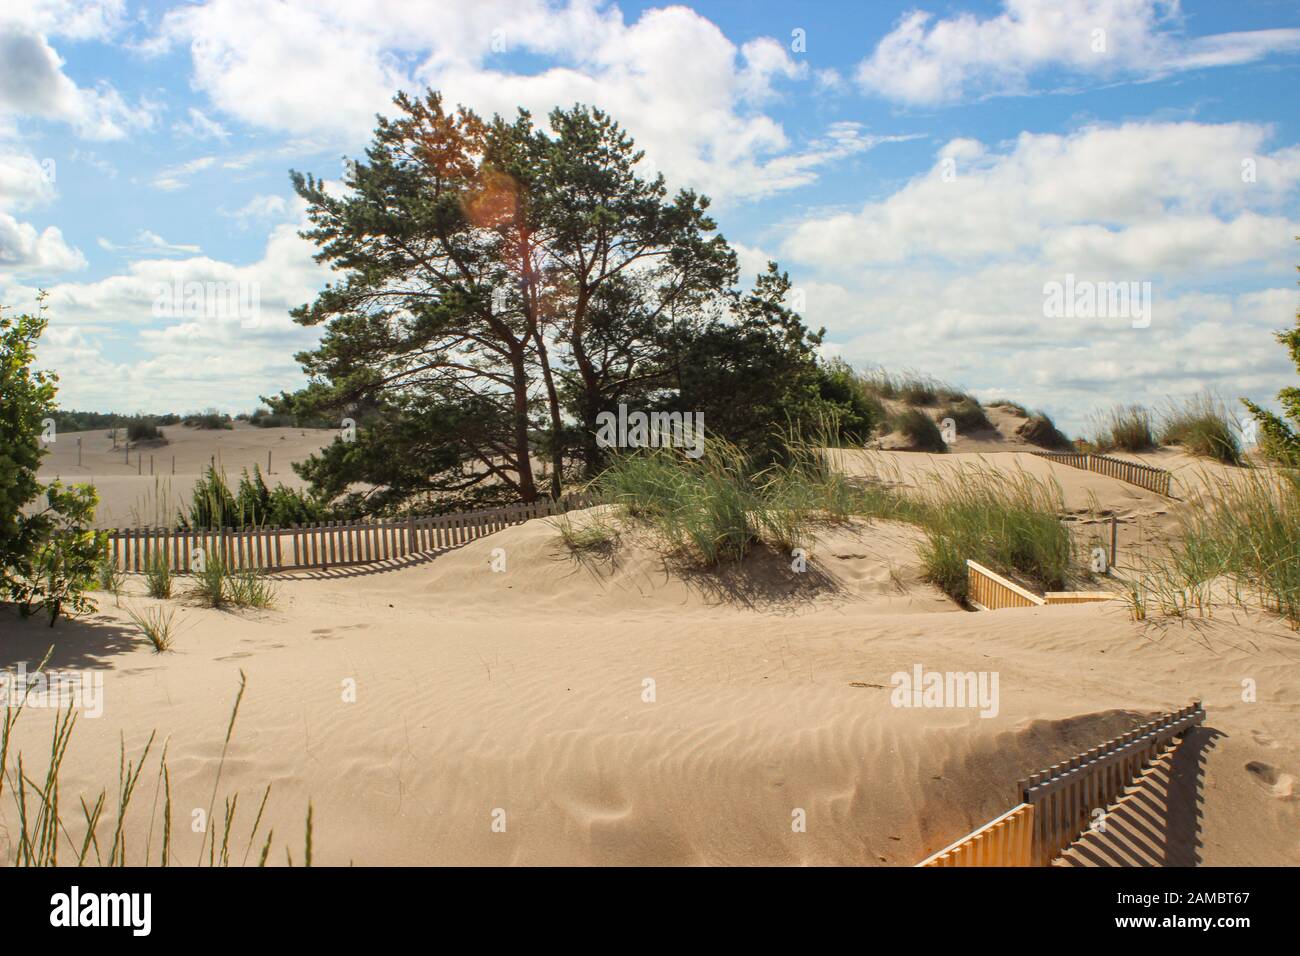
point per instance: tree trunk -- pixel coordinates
(523, 455)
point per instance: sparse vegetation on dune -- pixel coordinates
(910, 388)
(1011, 523)
(1128, 428)
(1238, 540)
(719, 509)
(158, 575)
(920, 430)
(217, 586)
(1203, 427)
(967, 414)
(156, 625)
(1040, 430)
(593, 532)
(46, 837)
(1006, 403)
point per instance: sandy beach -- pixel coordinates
(612, 709)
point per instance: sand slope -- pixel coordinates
(131, 497)
(525, 692)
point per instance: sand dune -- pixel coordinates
(132, 497)
(525, 692)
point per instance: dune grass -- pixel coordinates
(910, 388)
(1040, 430)
(108, 577)
(705, 506)
(1010, 523)
(158, 575)
(920, 430)
(1128, 428)
(218, 586)
(210, 580)
(591, 533)
(967, 414)
(156, 625)
(43, 829)
(718, 508)
(247, 587)
(1238, 542)
(1203, 426)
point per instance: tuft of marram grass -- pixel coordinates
(1011, 523)
(920, 430)
(42, 828)
(1238, 542)
(594, 532)
(210, 581)
(247, 587)
(108, 577)
(1040, 430)
(156, 625)
(1203, 426)
(1128, 428)
(158, 575)
(967, 414)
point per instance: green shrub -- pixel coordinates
(48, 556)
(211, 419)
(142, 429)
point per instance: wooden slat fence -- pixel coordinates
(1079, 597)
(1135, 473)
(1058, 803)
(323, 545)
(988, 591)
(1065, 795)
(1006, 841)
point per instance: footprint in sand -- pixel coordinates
(1275, 782)
(1263, 739)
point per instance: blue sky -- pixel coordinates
(922, 169)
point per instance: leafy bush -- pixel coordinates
(48, 559)
(265, 418)
(858, 413)
(142, 429)
(211, 419)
